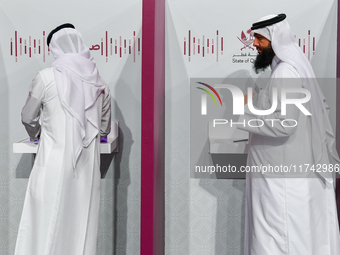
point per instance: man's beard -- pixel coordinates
(264, 59)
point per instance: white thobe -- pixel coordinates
(286, 215)
(61, 209)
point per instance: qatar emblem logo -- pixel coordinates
(247, 42)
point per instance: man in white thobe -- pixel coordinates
(288, 212)
(72, 102)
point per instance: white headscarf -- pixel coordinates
(78, 85)
(286, 49)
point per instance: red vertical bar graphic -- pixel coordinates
(29, 49)
(138, 46)
(111, 45)
(16, 49)
(212, 46)
(207, 46)
(39, 45)
(299, 42)
(120, 46)
(115, 46)
(185, 46)
(221, 45)
(35, 48)
(129, 46)
(189, 52)
(216, 45)
(134, 46)
(194, 46)
(313, 45)
(308, 44)
(304, 45)
(102, 46)
(44, 46)
(20, 46)
(11, 47)
(124, 46)
(203, 47)
(25, 47)
(198, 46)
(106, 44)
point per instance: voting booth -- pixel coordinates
(112, 31)
(206, 41)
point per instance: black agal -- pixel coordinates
(268, 22)
(49, 37)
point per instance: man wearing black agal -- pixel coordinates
(68, 109)
(289, 212)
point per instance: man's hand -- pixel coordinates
(246, 97)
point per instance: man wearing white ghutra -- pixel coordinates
(73, 103)
(287, 212)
